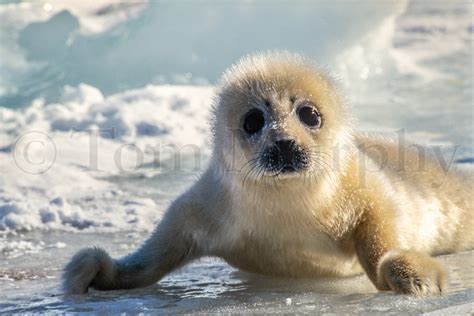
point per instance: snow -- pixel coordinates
(73, 146)
(210, 286)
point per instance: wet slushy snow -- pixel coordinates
(30, 281)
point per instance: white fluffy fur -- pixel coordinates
(334, 218)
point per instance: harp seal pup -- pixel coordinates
(293, 190)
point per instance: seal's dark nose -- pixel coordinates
(285, 156)
(286, 149)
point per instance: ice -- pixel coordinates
(186, 43)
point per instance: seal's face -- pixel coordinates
(278, 117)
(279, 151)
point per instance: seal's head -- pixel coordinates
(278, 116)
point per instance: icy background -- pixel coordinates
(91, 89)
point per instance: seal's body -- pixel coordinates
(292, 190)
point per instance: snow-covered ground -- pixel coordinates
(64, 165)
(96, 137)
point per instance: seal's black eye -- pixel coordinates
(309, 116)
(254, 121)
